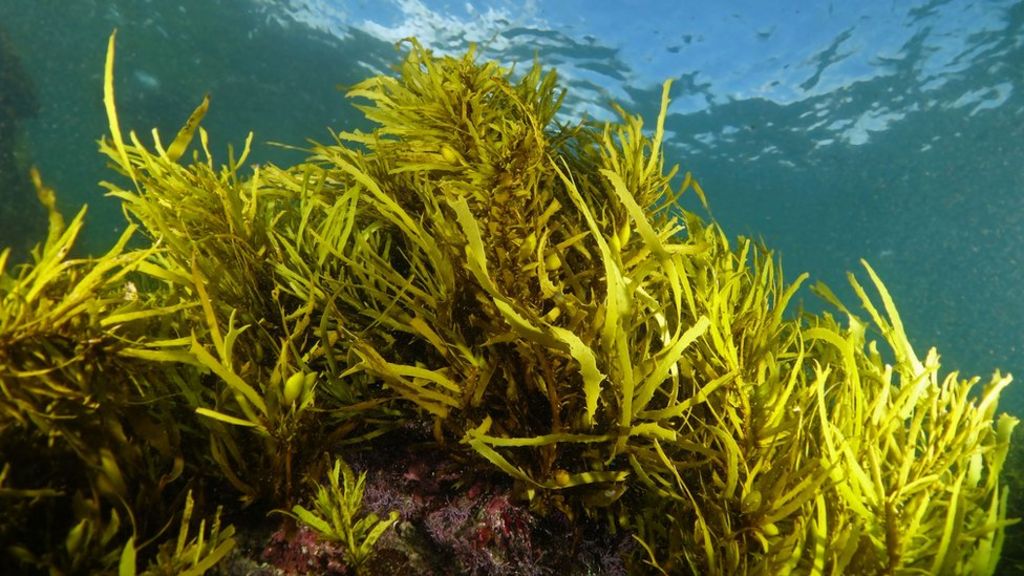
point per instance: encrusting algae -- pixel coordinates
(529, 296)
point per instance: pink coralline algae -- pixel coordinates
(453, 521)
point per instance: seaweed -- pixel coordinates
(524, 295)
(338, 515)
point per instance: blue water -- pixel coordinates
(891, 131)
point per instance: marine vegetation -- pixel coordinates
(479, 279)
(338, 515)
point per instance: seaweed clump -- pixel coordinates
(524, 296)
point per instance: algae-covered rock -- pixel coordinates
(524, 296)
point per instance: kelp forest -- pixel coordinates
(479, 338)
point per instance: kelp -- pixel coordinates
(77, 430)
(505, 236)
(529, 291)
(185, 555)
(252, 314)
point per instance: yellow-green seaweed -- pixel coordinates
(529, 289)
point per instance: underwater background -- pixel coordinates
(891, 131)
(886, 132)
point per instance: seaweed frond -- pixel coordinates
(337, 515)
